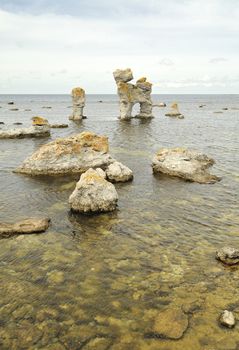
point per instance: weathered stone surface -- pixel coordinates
(31, 225)
(78, 101)
(130, 94)
(39, 121)
(93, 194)
(228, 255)
(170, 323)
(69, 155)
(55, 126)
(117, 172)
(174, 112)
(32, 131)
(227, 319)
(187, 164)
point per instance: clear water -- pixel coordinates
(99, 282)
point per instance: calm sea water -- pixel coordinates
(98, 282)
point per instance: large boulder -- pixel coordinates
(187, 164)
(69, 155)
(27, 226)
(118, 172)
(78, 101)
(93, 194)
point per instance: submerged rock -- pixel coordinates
(130, 94)
(69, 155)
(10, 103)
(14, 109)
(93, 194)
(54, 126)
(1, 123)
(228, 255)
(170, 323)
(117, 172)
(161, 104)
(78, 101)
(31, 225)
(174, 112)
(33, 131)
(17, 123)
(201, 106)
(227, 319)
(187, 164)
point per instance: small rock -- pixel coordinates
(2, 123)
(93, 194)
(27, 110)
(228, 255)
(17, 123)
(227, 319)
(201, 106)
(218, 112)
(170, 324)
(225, 109)
(14, 109)
(100, 101)
(39, 121)
(117, 172)
(47, 107)
(10, 103)
(174, 112)
(55, 126)
(27, 226)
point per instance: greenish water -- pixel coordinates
(98, 282)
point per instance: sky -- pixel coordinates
(181, 46)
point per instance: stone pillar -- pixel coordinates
(78, 101)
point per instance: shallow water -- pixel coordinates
(98, 282)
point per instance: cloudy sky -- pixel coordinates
(182, 46)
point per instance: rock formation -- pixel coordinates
(187, 164)
(174, 111)
(39, 128)
(228, 255)
(117, 172)
(70, 155)
(32, 225)
(58, 126)
(93, 194)
(130, 94)
(78, 101)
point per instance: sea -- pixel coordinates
(100, 281)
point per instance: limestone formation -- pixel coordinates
(130, 94)
(174, 111)
(69, 155)
(170, 323)
(78, 100)
(93, 194)
(228, 255)
(27, 226)
(39, 128)
(187, 164)
(117, 172)
(227, 319)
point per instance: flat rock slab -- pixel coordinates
(228, 255)
(27, 226)
(170, 324)
(19, 133)
(186, 164)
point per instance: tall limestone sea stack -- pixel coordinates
(78, 101)
(130, 94)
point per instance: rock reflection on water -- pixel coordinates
(99, 282)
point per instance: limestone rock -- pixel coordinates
(187, 164)
(117, 172)
(31, 225)
(228, 255)
(170, 323)
(227, 319)
(59, 126)
(33, 131)
(78, 100)
(130, 94)
(10, 103)
(69, 155)
(174, 111)
(93, 194)
(39, 121)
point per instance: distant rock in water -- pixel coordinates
(228, 255)
(227, 319)
(130, 94)
(10, 103)
(14, 109)
(47, 107)
(33, 131)
(55, 126)
(27, 110)
(17, 123)
(218, 112)
(186, 164)
(69, 155)
(225, 109)
(174, 112)
(28, 226)
(78, 101)
(201, 106)
(1, 123)
(161, 104)
(39, 121)
(93, 194)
